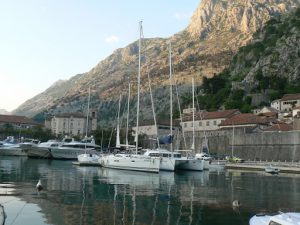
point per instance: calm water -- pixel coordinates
(91, 195)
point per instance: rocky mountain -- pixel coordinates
(273, 53)
(217, 30)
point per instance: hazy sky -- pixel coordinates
(42, 41)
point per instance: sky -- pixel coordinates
(42, 41)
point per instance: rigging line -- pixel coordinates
(18, 214)
(153, 109)
(112, 129)
(180, 114)
(201, 119)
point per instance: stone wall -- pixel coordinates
(276, 146)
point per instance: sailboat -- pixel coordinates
(173, 160)
(88, 158)
(135, 161)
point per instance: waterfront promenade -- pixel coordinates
(285, 167)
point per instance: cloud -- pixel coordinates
(111, 39)
(182, 16)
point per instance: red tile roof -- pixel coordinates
(212, 115)
(280, 127)
(17, 120)
(288, 97)
(242, 119)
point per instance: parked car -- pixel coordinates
(235, 159)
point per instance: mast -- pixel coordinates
(153, 111)
(138, 91)
(171, 99)
(232, 141)
(193, 87)
(118, 144)
(128, 101)
(87, 117)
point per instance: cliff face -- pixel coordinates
(217, 30)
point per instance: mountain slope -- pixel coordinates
(216, 31)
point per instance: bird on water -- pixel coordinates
(39, 186)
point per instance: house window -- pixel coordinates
(185, 124)
(207, 123)
(200, 124)
(215, 122)
(78, 132)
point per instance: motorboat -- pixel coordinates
(289, 218)
(72, 149)
(10, 147)
(41, 150)
(133, 162)
(272, 169)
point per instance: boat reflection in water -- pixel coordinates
(93, 195)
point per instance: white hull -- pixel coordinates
(289, 218)
(38, 152)
(12, 151)
(206, 164)
(88, 158)
(69, 153)
(189, 164)
(167, 164)
(131, 162)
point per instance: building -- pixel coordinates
(163, 126)
(244, 120)
(73, 124)
(17, 122)
(206, 121)
(287, 103)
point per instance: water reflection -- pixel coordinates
(92, 195)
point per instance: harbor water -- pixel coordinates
(93, 195)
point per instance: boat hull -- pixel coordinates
(38, 152)
(88, 159)
(131, 162)
(12, 151)
(189, 164)
(69, 153)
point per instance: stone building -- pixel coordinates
(206, 121)
(73, 124)
(287, 103)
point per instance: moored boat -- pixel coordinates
(272, 169)
(289, 218)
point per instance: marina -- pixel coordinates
(95, 195)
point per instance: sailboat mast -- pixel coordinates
(193, 90)
(87, 118)
(232, 141)
(118, 143)
(138, 91)
(171, 98)
(127, 124)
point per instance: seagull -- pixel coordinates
(236, 203)
(39, 186)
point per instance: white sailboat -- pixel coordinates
(133, 162)
(289, 218)
(90, 158)
(189, 162)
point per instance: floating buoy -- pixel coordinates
(39, 186)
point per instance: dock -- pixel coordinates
(284, 167)
(2, 215)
